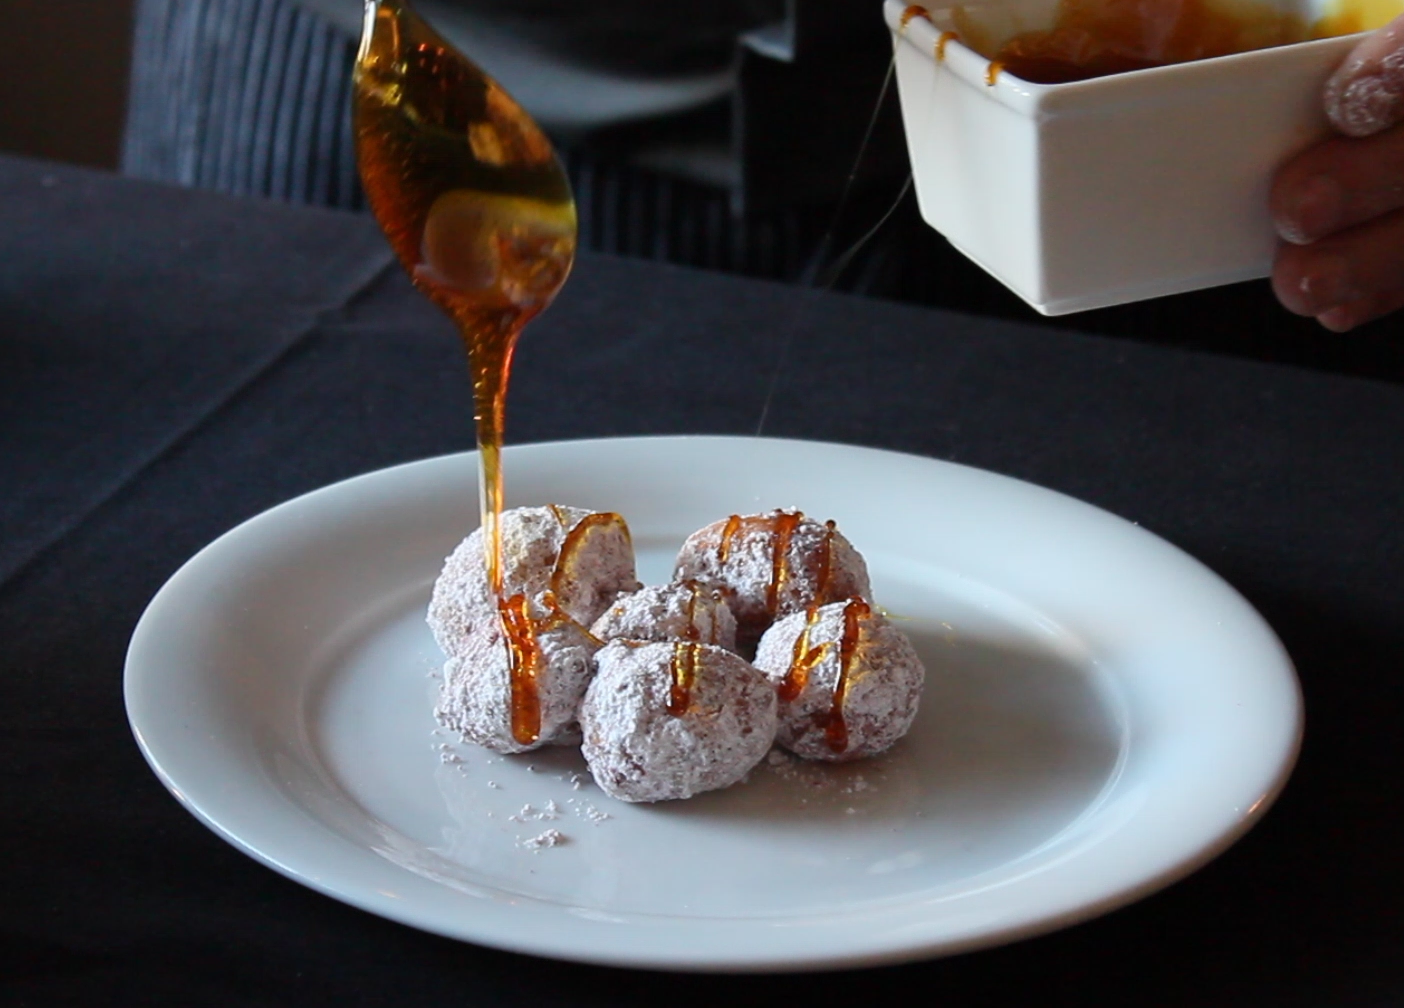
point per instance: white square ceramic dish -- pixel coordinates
(1108, 190)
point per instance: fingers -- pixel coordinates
(1345, 279)
(1337, 184)
(1366, 94)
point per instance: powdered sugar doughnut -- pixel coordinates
(771, 565)
(509, 710)
(685, 611)
(848, 681)
(583, 558)
(670, 720)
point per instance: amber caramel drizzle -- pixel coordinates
(941, 40)
(684, 674)
(785, 523)
(802, 660)
(836, 731)
(525, 659)
(913, 11)
(561, 516)
(479, 212)
(572, 543)
(992, 72)
(728, 533)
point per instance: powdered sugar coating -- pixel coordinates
(638, 752)
(819, 565)
(679, 611)
(475, 698)
(599, 567)
(1365, 95)
(885, 678)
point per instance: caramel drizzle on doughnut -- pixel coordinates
(684, 663)
(573, 541)
(728, 533)
(520, 630)
(802, 660)
(524, 662)
(684, 676)
(690, 632)
(836, 729)
(913, 11)
(785, 523)
(560, 514)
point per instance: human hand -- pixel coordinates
(1339, 206)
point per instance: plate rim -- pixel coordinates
(1192, 859)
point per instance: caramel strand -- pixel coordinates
(913, 11)
(785, 523)
(572, 544)
(835, 728)
(802, 660)
(524, 654)
(684, 674)
(728, 533)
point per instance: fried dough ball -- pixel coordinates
(771, 565)
(476, 697)
(583, 559)
(848, 681)
(681, 611)
(672, 719)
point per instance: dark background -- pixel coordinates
(63, 75)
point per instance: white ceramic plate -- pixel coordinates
(1102, 715)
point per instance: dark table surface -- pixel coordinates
(172, 363)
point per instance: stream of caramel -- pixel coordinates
(479, 212)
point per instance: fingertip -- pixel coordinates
(1339, 319)
(1366, 93)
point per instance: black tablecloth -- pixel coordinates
(173, 362)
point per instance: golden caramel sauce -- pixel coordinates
(479, 212)
(575, 540)
(562, 516)
(728, 533)
(525, 662)
(690, 632)
(802, 660)
(684, 676)
(1094, 38)
(785, 524)
(941, 41)
(836, 728)
(806, 655)
(912, 11)
(473, 201)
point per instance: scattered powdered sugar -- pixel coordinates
(530, 813)
(548, 838)
(587, 811)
